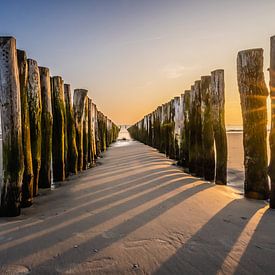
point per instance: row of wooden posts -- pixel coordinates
(45, 136)
(191, 128)
(187, 127)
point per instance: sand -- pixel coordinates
(138, 213)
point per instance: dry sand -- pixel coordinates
(138, 213)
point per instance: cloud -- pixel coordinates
(173, 71)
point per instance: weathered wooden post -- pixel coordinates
(207, 130)
(71, 131)
(47, 129)
(217, 105)
(195, 139)
(79, 107)
(91, 153)
(199, 149)
(186, 132)
(192, 130)
(35, 108)
(271, 169)
(94, 141)
(85, 135)
(13, 163)
(58, 107)
(253, 93)
(27, 184)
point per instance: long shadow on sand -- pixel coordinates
(206, 251)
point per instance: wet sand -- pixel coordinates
(138, 213)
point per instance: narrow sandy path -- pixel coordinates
(138, 213)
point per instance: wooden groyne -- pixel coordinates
(197, 123)
(189, 127)
(44, 134)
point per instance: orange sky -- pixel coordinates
(135, 55)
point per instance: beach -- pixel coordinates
(136, 212)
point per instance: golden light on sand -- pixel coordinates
(233, 258)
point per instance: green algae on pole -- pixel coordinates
(71, 131)
(13, 156)
(207, 130)
(85, 135)
(253, 93)
(91, 152)
(58, 107)
(217, 101)
(27, 184)
(80, 96)
(186, 132)
(35, 108)
(272, 131)
(47, 129)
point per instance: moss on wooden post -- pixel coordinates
(207, 130)
(47, 129)
(91, 152)
(71, 131)
(79, 107)
(271, 169)
(94, 122)
(35, 108)
(13, 163)
(253, 93)
(85, 135)
(186, 132)
(58, 143)
(217, 101)
(27, 184)
(195, 139)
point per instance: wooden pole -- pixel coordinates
(35, 108)
(58, 107)
(207, 130)
(199, 147)
(94, 141)
(85, 135)
(253, 93)
(271, 169)
(192, 130)
(91, 153)
(27, 184)
(47, 129)
(71, 131)
(13, 163)
(217, 104)
(79, 108)
(186, 132)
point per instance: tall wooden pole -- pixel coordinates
(253, 93)
(58, 107)
(199, 147)
(94, 114)
(192, 132)
(79, 109)
(91, 152)
(186, 132)
(47, 129)
(217, 104)
(71, 131)
(85, 135)
(207, 130)
(271, 169)
(35, 107)
(27, 184)
(13, 164)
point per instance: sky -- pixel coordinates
(134, 55)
